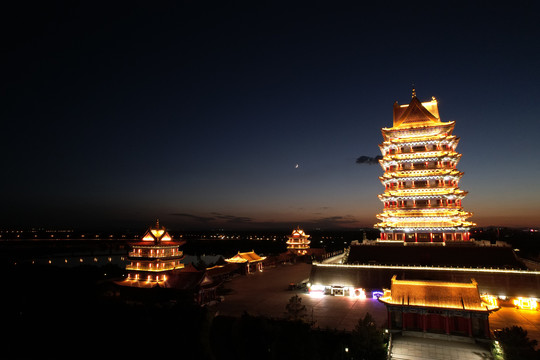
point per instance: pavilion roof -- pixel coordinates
(245, 257)
(437, 294)
(298, 233)
(156, 235)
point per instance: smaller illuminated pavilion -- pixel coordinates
(152, 260)
(298, 242)
(449, 308)
(251, 261)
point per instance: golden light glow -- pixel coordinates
(151, 263)
(420, 176)
(526, 303)
(245, 257)
(148, 238)
(437, 294)
(490, 300)
(157, 233)
(298, 241)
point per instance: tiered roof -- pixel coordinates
(420, 147)
(298, 236)
(157, 235)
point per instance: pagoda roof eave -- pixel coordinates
(420, 139)
(487, 308)
(420, 173)
(425, 191)
(418, 126)
(171, 243)
(430, 212)
(421, 155)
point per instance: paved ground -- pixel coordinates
(508, 316)
(265, 293)
(413, 348)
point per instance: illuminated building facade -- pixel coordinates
(298, 242)
(422, 200)
(152, 260)
(439, 307)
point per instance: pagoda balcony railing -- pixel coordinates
(420, 149)
(436, 206)
(426, 167)
(152, 269)
(136, 254)
(394, 169)
(437, 186)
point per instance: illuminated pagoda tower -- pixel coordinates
(298, 242)
(153, 259)
(422, 200)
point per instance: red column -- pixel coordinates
(424, 322)
(415, 237)
(486, 327)
(469, 325)
(446, 324)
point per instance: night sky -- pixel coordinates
(198, 113)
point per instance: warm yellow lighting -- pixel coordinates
(490, 300)
(157, 232)
(526, 303)
(420, 175)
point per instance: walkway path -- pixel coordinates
(413, 348)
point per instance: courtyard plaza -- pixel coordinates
(267, 293)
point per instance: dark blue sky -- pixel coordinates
(198, 112)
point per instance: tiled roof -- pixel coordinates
(437, 294)
(245, 257)
(414, 114)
